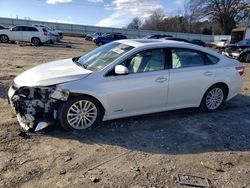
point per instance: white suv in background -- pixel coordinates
(56, 34)
(35, 35)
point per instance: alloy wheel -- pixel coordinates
(82, 114)
(214, 98)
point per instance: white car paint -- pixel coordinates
(51, 73)
(139, 93)
(25, 36)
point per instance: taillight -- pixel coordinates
(45, 33)
(240, 69)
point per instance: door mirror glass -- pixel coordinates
(121, 70)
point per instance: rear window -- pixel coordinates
(210, 59)
(44, 30)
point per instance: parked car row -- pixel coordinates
(36, 34)
(170, 37)
(104, 38)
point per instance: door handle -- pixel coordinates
(208, 73)
(161, 79)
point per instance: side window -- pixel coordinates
(23, 28)
(108, 36)
(32, 29)
(16, 28)
(146, 61)
(187, 58)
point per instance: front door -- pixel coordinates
(16, 34)
(143, 90)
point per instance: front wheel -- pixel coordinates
(213, 98)
(79, 113)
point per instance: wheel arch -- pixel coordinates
(35, 37)
(74, 95)
(223, 84)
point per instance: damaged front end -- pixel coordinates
(36, 107)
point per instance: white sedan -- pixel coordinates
(121, 79)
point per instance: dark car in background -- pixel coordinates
(109, 37)
(177, 39)
(157, 36)
(90, 37)
(198, 42)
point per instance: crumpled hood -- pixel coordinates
(51, 73)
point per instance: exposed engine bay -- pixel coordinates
(36, 107)
(238, 53)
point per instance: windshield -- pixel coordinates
(103, 56)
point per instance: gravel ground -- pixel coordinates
(144, 151)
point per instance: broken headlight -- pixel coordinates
(60, 94)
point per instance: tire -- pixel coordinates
(99, 43)
(70, 117)
(214, 98)
(35, 41)
(4, 38)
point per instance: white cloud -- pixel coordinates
(58, 1)
(95, 1)
(125, 10)
(179, 2)
(60, 21)
(114, 20)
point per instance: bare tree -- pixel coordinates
(154, 22)
(225, 12)
(136, 23)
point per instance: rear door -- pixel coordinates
(191, 74)
(27, 34)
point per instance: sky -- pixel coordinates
(106, 13)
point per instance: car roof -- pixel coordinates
(149, 42)
(161, 43)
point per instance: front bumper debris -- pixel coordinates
(35, 107)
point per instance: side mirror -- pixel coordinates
(121, 70)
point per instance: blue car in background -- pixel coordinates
(106, 38)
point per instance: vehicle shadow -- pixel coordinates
(185, 131)
(3, 91)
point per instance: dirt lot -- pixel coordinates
(145, 151)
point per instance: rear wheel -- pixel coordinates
(36, 41)
(4, 38)
(214, 98)
(79, 113)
